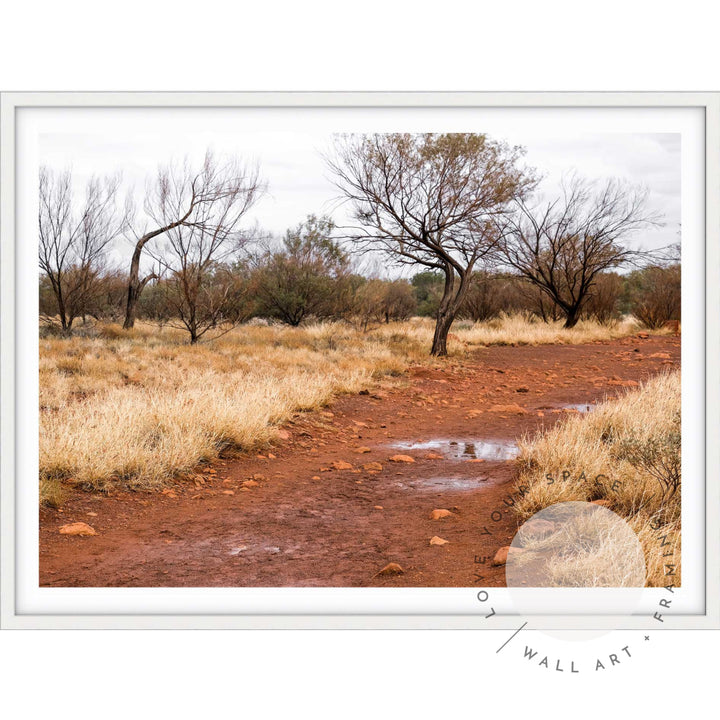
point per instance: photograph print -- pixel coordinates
(351, 348)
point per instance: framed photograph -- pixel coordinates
(360, 360)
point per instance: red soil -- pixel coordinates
(306, 523)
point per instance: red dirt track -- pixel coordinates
(294, 530)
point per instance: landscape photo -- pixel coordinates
(328, 358)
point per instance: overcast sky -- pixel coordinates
(299, 184)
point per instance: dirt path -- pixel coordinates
(303, 522)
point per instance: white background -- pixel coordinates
(369, 46)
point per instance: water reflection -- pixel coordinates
(474, 449)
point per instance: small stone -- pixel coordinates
(77, 528)
(282, 434)
(501, 556)
(392, 569)
(315, 477)
(522, 389)
(435, 540)
(375, 466)
(512, 408)
(271, 456)
(341, 465)
(92, 514)
(402, 459)
(249, 484)
(433, 456)
(643, 335)
(169, 493)
(228, 492)
(439, 514)
(378, 507)
(660, 355)
(362, 449)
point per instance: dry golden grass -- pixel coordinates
(512, 330)
(140, 407)
(582, 449)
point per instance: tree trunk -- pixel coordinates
(132, 299)
(61, 306)
(135, 288)
(449, 305)
(442, 328)
(135, 285)
(572, 315)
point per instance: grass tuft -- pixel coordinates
(621, 454)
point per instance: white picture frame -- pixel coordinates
(177, 608)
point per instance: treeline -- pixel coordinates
(651, 294)
(457, 211)
(309, 276)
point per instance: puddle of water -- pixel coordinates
(466, 449)
(581, 407)
(445, 483)
(258, 547)
(454, 483)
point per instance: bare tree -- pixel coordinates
(562, 246)
(429, 200)
(74, 241)
(196, 249)
(208, 203)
